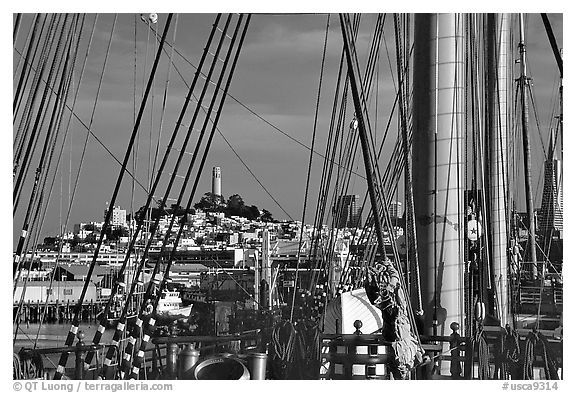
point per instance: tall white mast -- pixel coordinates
(438, 114)
(498, 46)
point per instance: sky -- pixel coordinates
(277, 77)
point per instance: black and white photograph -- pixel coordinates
(287, 195)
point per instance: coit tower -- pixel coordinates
(216, 181)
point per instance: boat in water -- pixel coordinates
(170, 305)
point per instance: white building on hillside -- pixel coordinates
(118, 216)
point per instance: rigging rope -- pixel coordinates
(16, 27)
(41, 197)
(509, 355)
(235, 152)
(134, 113)
(149, 326)
(283, 345)
(30, 39)
(536, 118)
(412, 249)
(165, 95)
(253, 175)
(324, 184)
(26, 224)
(368, 229)
(62, 101)
(303, 223)
(533, 340)
(150, 174)
(367, 233)
(27, 63)
(50, 138)
(328, 169)
(360, 107)
(149, 292)
(77, 118)
(119, 332)
(351, 140)
(100, 80)
(254, 113)
(63, 142)
(23, 166)
(74, 328)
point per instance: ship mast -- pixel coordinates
(523, 80)
(438, 191)
(497, 92)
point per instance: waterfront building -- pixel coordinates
(48, 258)
(56, 293)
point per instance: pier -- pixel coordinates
(56, 312)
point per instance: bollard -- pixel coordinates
(357, 325)
(155, 359)
(171, 360)
(187, 359)
(257, 366)
(455, 365)
(80, 355)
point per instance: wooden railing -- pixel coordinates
(460, 352)
(170, 356)
(161, 359)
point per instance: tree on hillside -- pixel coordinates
(179, 210)
(266, 216)
(210, 203)
(155, 212)
(50, 240)
(251, 212)
(235, 205)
